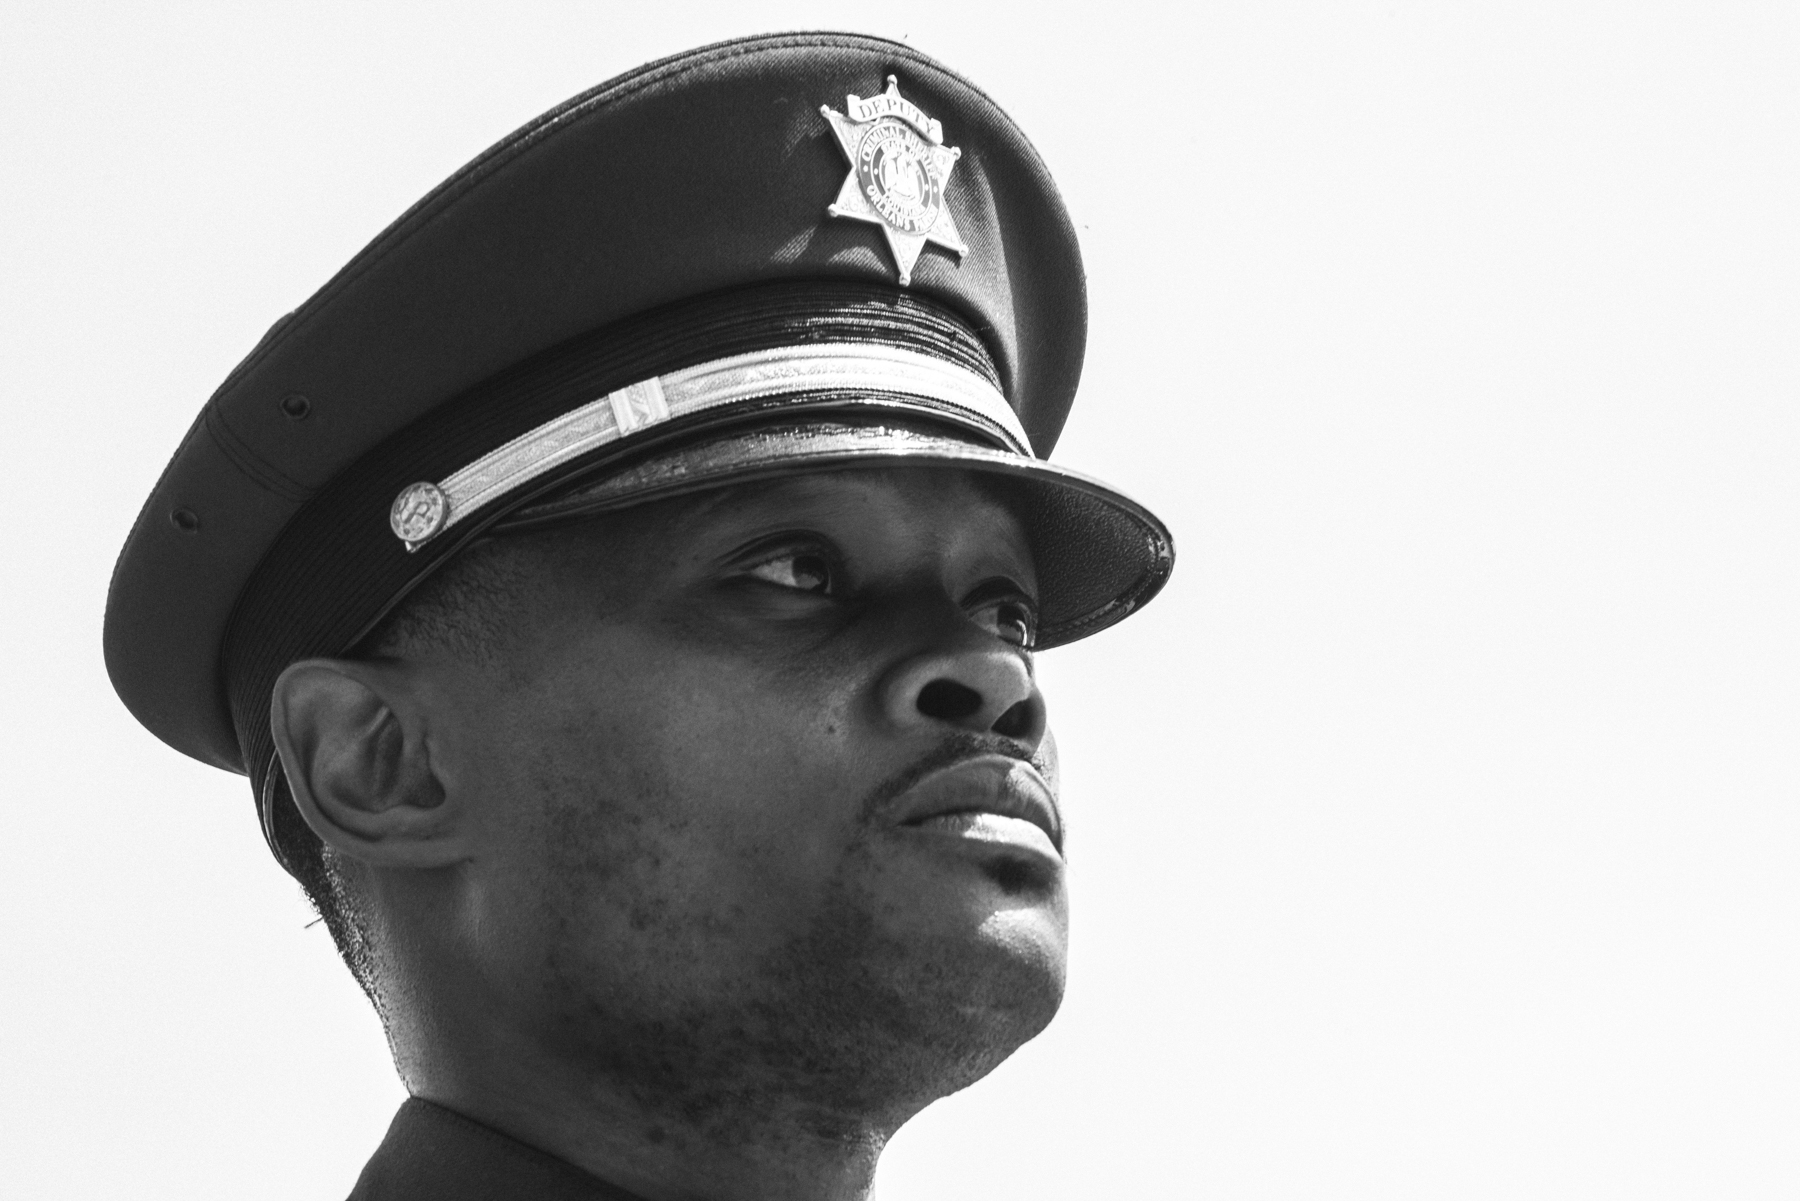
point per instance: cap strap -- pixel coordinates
(424, 510)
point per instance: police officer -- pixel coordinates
(620, 585)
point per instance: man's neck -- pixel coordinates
(764, 1147)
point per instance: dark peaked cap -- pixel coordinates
(634, 238)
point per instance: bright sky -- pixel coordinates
(1436, 832)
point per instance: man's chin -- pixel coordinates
(938, 973)
(988, 943)
(995, 993)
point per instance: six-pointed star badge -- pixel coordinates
(899, 167)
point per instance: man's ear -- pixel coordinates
(352, 740)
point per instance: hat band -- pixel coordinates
(422, 511)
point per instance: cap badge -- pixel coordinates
(899, 167)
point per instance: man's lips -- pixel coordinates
(987, 797)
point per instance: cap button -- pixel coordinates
(418, 514)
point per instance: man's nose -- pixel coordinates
(983, 689)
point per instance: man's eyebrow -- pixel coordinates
(805, 497)
(698, 508)
(1000, 587)
(706, 503)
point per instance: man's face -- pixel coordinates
(762, 798)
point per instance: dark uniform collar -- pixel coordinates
(435, 1154)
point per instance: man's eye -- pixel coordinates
(1010, 621)
(804, 571)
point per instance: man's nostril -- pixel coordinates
(947, 700)
(1017, 722)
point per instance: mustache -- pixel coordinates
(954, 749)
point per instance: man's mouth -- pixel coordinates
(989, 798)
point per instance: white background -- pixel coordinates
(1436, 830)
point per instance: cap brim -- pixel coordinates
(1099, 554)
